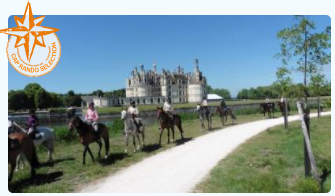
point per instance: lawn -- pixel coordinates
(67, 174)
(272, 162)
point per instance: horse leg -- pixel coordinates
(49, 147)
(168, 129)
(160, 136)
(172, 129)
(89, 151)
(126, 141)
(100, 147)
(134, 142)
(139, 141)
(84, 155)
(12, 168)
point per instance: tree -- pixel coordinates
(308, 48)
(71, 99)
(243, 94)
(17, 100)
(222, 92)
(30, 90)
(42, 99)
(98, 93)
(316, 85)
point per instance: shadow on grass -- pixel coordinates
(151, 148)
(54, 162)
(112, 158)
(39, 179)
(183, 141)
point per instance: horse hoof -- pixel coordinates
(106, 156)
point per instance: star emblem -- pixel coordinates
(29, 33)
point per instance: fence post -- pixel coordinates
(307, 160)
(285, 114)
(310, 165)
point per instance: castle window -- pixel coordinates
(158, 100)
(152, 100)
(138, 101)
(144, 101)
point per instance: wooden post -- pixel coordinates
(285, 114)
(310, 163)
(319, 107)
(307, 160)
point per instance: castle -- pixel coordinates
(149, 86)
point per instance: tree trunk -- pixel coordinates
(285, 114)
(319, 108)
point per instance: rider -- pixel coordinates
(32, 123)
(223, 105)
(205, 104)
(133, 111)
(92, 117)
(267, 100)
(168, 108)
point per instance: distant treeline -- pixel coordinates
(273, 91)
(33, 96)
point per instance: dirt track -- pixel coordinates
(179, 169)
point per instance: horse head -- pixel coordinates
(74, 123)
(198, 107)
(159, 111)
(123, 114)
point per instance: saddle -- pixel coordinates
(35, 135)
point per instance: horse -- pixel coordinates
(269, 108)
(281, 106)
(130, 129)
(88, 135)
(224, 114)
(167, 123)
(47, 139)
(203, 114)
(21, 143)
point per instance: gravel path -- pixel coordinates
(179, 169)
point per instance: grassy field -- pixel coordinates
(272, 162)
(67, 174)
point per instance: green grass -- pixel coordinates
(272, 161)
(67, 174)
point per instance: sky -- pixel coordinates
(99, 52)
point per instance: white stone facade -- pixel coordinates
(179, 86)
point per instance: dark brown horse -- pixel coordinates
(268, 108)
(87, 136)
(281, 106)
(167, 123)
(21, 143)
(224, 114)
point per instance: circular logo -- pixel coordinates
(41, 60)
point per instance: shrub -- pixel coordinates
(64, 135)
(307, 185)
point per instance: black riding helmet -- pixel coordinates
(132, 103)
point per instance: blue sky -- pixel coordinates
(98, 52)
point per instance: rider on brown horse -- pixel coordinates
(92, 118)
(204, 105)
(223, 105)
(168, 108)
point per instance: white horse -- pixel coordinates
(131, 130)
(203, 114)
(47, 139)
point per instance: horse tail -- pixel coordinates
(178, 123)
(106, 140)
(232, 115)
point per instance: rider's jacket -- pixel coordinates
(133, 110)
(32, 121)
(204, 102)
(91, 115)
(167, 107)
(267, 100)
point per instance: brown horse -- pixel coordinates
(281, 106)
(87, 136)
(268, 108)
(167, 123)
(21, 143)
(224, 114)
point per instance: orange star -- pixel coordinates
(29, 32)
